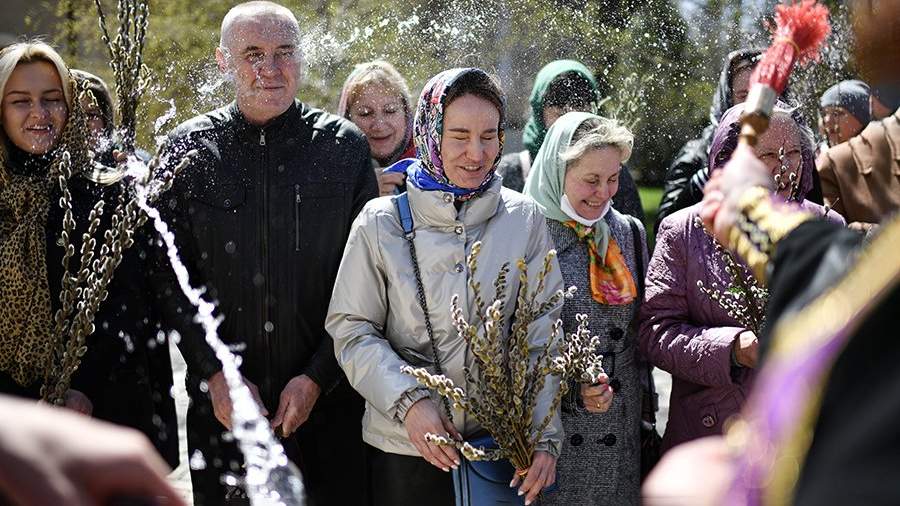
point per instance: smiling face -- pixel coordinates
(592, 180)
(470, 140)
(779, 149)
(379, 113)
(34, 107)
(262, 56)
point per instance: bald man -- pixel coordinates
(262, 215)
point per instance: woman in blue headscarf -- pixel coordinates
(377, 318)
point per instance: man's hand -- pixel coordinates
(597, 398)
(78, 402)
(540, 475)
(221, 399)
(297, 400)
(388, 182)
(723, 192)
(51, 456)
(423, 417)
(746, 349)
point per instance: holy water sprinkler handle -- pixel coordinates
(800, 31)
(757, 112)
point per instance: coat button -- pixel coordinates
(708, 421)
(576, 440)
(615, 384)
(458, 230)
(459, 267)
(448, 198)
(608, 440)
(227, 202)
(616, 333)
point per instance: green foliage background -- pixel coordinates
(658, 60)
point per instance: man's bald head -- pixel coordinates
(282, 17)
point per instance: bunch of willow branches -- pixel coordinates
(745, 299)
(126, 59)
(84, 286)
(792, 182)
(506, 379)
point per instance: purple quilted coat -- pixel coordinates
(682, 330)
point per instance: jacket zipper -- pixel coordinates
(297, 201)
(264, 203)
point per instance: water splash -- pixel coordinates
(271, 479)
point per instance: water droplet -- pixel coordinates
(197, 462)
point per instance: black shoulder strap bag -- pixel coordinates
(479, 483)
(651, 442)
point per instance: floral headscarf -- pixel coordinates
(427, 173)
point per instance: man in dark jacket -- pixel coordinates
(262, 215)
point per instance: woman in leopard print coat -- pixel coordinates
(125, 376)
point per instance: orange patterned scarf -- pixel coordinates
(611, 281)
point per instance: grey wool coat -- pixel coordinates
(600, 461)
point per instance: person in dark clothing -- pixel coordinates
(124, 376)
(128, 368)
(261, 217)
(562, 86)
(683, 186)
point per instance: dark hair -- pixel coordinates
(570, 90)
(482, 85)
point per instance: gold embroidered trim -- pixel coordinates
(759, 227)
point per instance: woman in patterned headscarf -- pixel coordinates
(376, 316)
(602, 252)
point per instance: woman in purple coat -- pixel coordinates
(703, 309)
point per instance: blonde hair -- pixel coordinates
(31, 52)
(373, 73)
(599, 133)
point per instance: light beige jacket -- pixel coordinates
(375, 317)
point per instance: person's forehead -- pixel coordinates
(834, 109)
(263, 30)
(40, 77)
(782, 131)
(377, 92)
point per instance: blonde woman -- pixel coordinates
(375, 98)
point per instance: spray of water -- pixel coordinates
(271, 479)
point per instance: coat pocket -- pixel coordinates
(225, 196)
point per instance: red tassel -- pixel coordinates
(801, 29)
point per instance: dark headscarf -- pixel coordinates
(725, 141)
(535, 130)
(736, 60)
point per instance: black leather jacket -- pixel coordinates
(261, 217)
